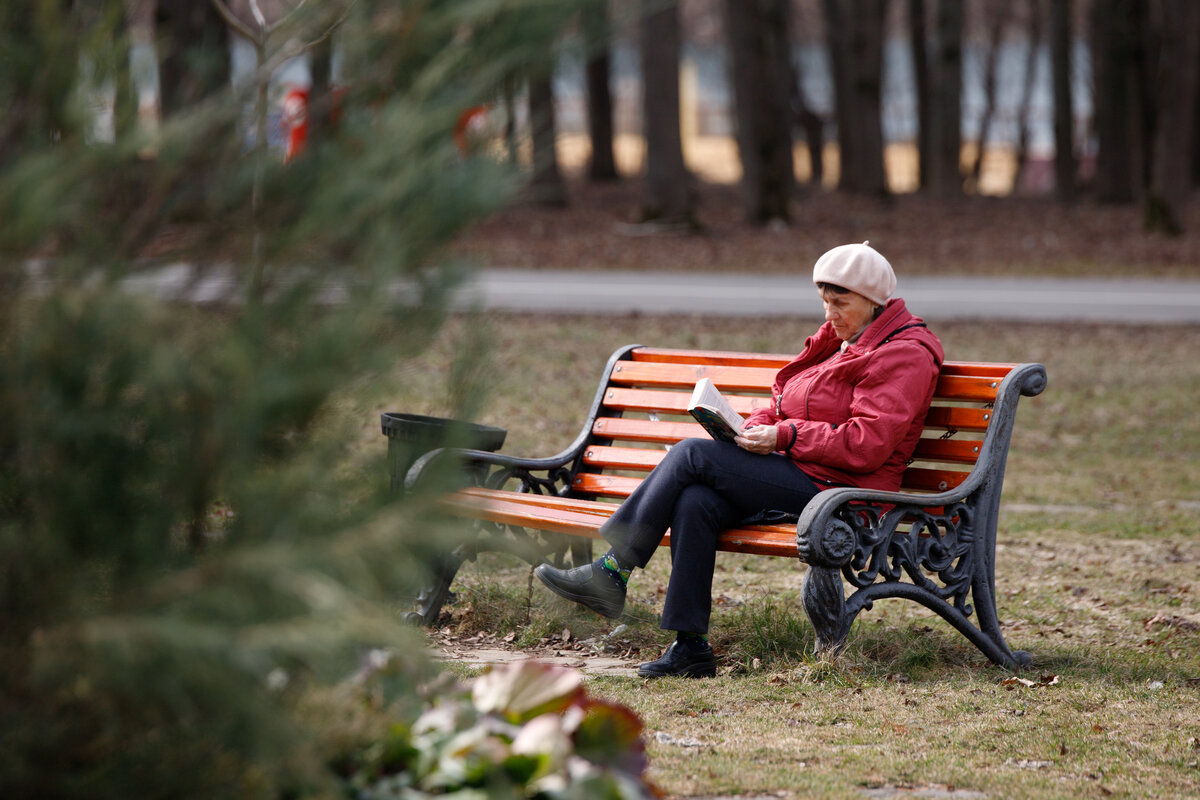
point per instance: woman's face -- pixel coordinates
(849, 313)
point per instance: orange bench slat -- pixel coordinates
(662, 401)
(584, 518)
(631, 429)
(684, 376)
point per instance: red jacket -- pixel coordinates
(853, 418)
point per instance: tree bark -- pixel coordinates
(1177, 24)
(920, 54)
(945, 136)
(1023, 110)
(667, 194)
(996, 25)
(762, 83)
(546, 182)
(1114, 48)
(194, 59)
(603, 165)
(856, 45)
(1064, 126)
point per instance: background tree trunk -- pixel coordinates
(856, 45)
(667, 194)
(194, 52)
(762, 87)
(944, 176)
(546, 182)
(1064, 113)
(1177, 27)
(812, 125)
(919, 42)
(1114, 52)
(996, 16)
(602, 165)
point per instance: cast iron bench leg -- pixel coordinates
(436, 592)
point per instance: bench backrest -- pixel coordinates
(642, 408)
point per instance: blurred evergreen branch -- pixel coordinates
(186, 544)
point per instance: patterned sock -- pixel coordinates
(694, 638)
(610, 563)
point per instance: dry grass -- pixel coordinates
(1097, 575)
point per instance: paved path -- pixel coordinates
(935, 298)
(1115, 300)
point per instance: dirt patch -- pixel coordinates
(922, 236)
(593, 656)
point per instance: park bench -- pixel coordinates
(933, 542)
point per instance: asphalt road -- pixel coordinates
(1118, 300)
(934, 298)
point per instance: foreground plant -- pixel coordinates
(527, 729)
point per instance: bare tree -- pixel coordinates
(1116, 51)
(193, 52)
(1064, 127)
(856, 46)
(546, 182)
(997, 14)
(944, 176)
(1034, 40)
(918, 38)
(602, 166)
(667, 194)
(1176, 24)
(763, 89)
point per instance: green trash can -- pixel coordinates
(411, 436)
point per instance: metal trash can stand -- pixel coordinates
(410, 436)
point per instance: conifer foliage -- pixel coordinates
(186, 547)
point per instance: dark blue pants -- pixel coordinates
(698, 490)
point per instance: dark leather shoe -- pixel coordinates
(586, 585)
(691, 658)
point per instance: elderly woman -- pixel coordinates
(847, 411)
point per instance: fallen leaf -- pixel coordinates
(566, 635)
(1015, 681)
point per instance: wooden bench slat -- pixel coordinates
(604, 485)
(629, 458)
(924, 479)
(684, 376)
(775, 361)
(957, 418)
(584, 518)
(967, 388)
(990, 369)
(672, 402)
(955, 451)
(631, 429)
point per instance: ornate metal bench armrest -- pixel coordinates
(477, 464)
(829, 530)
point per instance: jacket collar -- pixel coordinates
(895, 315)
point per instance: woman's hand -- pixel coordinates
(759, 439)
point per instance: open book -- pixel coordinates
(712, 410)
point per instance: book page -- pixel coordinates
(713, 411)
